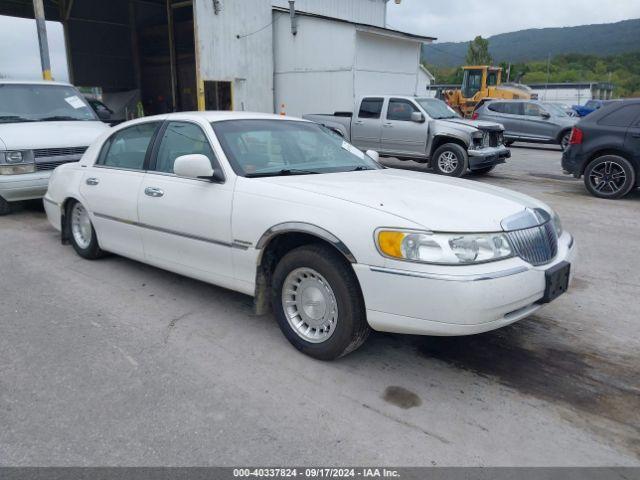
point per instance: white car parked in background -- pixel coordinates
(42, 125)
(286, 211)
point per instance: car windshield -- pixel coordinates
(41, 102)
(436, 108)
(261, 148)
(556, 109)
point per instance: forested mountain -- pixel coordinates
(537, 44)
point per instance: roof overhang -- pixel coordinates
(364, 27)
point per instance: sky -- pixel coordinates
(19, 54)
(449, 20)
(462, 20)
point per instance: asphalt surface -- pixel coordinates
(116, 363)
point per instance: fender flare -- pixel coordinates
(303, 227)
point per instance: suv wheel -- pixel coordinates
(450, 159)
(5, 208)
(609, 176)
(317, 302)
(81, 232)
(564, 140)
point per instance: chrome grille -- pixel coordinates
(59, 152)
(51, 165)
(537, 245)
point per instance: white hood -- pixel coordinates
(32, 135)
(434, 202)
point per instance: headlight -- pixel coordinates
(557, 224)
(443, 248)
(17, 169)
(13, 157)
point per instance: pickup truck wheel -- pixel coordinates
(81, 232)
(450, 159)
(317, 302)
(5, 208)
(609, 176)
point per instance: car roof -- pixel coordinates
(211, 116)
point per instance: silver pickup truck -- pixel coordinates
(426, 130)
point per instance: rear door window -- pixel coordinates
(127, 148)
(370, 108)
(622, 117)
(512, 108)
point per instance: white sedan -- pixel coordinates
(334, 243)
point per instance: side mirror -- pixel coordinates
(373, 155)
(417, 117)
(193, 166)
(545, 115)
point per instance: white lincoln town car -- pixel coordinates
(334, 243)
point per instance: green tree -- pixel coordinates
(478, 53)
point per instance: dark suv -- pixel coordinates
(605, 148)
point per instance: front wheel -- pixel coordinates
(5, 208)
(609, 176)
(450, 159)
(81, 232)
(317, 302)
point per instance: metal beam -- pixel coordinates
(45, 62)
(172, 57)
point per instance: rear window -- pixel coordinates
(622, 117)
(370, 108)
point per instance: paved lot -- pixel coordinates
(113, 362)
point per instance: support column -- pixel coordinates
(41, 25)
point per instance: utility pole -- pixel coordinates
(38, 9)
(546, 87)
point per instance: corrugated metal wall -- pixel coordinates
(236, 45)
(371, 12)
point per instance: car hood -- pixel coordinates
(31, 135)
(474, 124)
(433, 202)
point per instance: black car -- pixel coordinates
(605, 148)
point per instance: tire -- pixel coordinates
(5, 207)
(82, 235)
(563, 139)
(609, 176)
(450, 160)
(483, 171)
(334, 309)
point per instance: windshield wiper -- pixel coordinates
(359, 168)
(62, 118)
(283, 172)
(14, 118)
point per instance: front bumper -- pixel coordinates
(27, 186)
(421, 303)
(487, 157)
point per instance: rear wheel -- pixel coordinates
(81, 232)
(609, 176)
(564, 139)
(317, 302)
(5, 208)
(450, 159)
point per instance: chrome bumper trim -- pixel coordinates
(452, 278)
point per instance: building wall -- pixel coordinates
(313, 69)
(371, 12)
(424, 81)
(246, 61)
(385, 65)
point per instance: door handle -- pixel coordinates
(388, 125)
(358, 122)
(92, 181)
(153, 192)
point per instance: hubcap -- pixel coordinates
(607, 177)
(447, 162)
(80, 226)
(309, 305)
